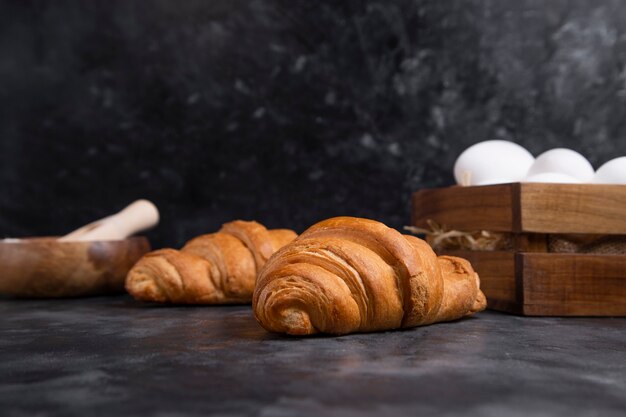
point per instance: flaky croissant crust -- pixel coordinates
(216, 268)
(348, 274)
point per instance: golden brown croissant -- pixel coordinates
(217, 268)
(346, 275)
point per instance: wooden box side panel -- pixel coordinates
(497, 278)
(525, 208)
(573, 208)
(573, 284)
(465, 208)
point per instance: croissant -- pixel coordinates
(347, 274)
(217, 268)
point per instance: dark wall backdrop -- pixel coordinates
(287, 111)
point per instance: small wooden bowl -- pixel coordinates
(44, 267)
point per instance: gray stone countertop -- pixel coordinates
(115, 356)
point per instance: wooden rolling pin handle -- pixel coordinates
(138, 216)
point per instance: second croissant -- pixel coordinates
(346, 275)
(217, 268)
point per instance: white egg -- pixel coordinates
(612, 172)
(563, 161)
(553, 177)
(492, 162)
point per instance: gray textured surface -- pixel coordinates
(287, 111)
(113, 356)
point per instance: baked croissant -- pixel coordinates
(217, 268)
(347, 274)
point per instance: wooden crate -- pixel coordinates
(528, 279)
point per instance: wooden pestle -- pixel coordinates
(136, 217)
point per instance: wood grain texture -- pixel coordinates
(572, 284)
(529, 280)
(573, 208)
(551, 284)
(525, 208)
(465, 208)
(530, 242)
(48, 268)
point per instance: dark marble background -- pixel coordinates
(287, 111)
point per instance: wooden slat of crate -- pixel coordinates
(465, 208)
(573, 208)
(551, 284)
(572, 284)
(525, 208)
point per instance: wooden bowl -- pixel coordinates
(44, 267)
